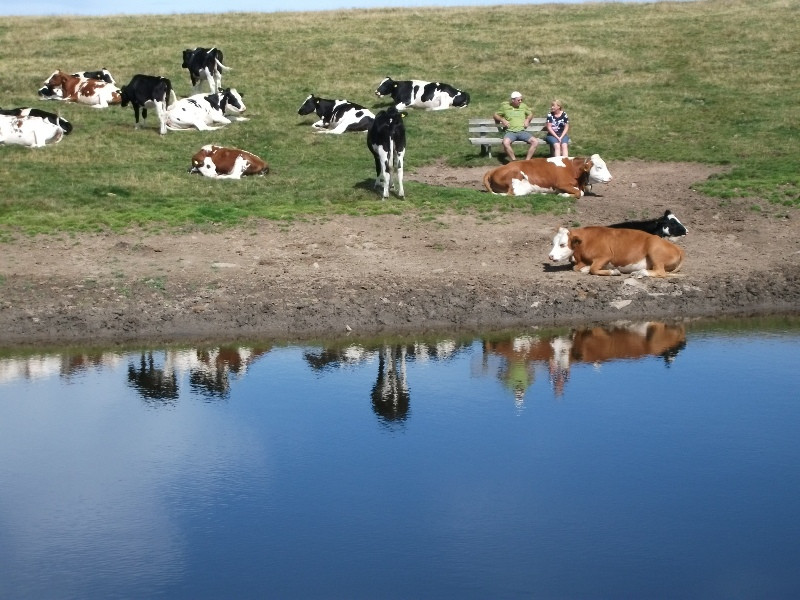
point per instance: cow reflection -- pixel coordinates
(391, 399)
(593, 345)
(209, 371)
(214, 368)
(151, 381)
(519, 358)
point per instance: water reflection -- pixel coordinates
(594, 345)
(157, 376)
(209, 370)
(391, 399)
(668, 463)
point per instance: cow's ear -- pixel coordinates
(574, 240)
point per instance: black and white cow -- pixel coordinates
(386, 139)
(49, 92)
(148, 91)
(337, 116)
(204, 111)
(665, 226)
(31, 127)
(422, 94)
(204, 64)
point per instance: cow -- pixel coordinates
(31, 127)
(609, 251)
(336, 116)
(555, 175)
(386, 139)
(148, 91)
(93, 92)
(47, 92)
(429, 95)
(666, 226)
(204, 64)
(227, 163)
(204, 111)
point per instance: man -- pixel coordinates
(515, 116)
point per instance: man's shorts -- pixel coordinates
(518, 136)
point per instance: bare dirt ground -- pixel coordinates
(389, 274)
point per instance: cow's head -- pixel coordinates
(309, 106)
(50, 93)
(599, 172)
(232, 101)
(386, 87)
(199, 158)
(187, 57)
(461, 99)
(57, 79)
(562, 245)
(670, 225)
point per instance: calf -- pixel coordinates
(666, 226)
(386, 139)
(227, 163)
(31, 127)
(557, 175)
(609, 251)
(429, 95)
(204, 64)
(202, 111)
(93, 92)
(337, 116)
(148, 91)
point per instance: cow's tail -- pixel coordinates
(171, 98)
(487, 182)
(223, 67)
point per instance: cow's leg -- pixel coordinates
(398, 172)
(136, 115)
(598, 267)
(212, 84)
(384, 168)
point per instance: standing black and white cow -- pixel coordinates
(667, 226)
(148, 91)
(337, 116)
(429, 95)
(386, 139)
(31, 127)
(204, 64)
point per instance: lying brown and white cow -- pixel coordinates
(94, 92)
(557, 175)
(227, 163)
(609, 251)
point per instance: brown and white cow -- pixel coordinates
(557, 175)
(609, 251)
(93, 92)
(222, 162)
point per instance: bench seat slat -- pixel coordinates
(491, 135)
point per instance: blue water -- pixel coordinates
(635, 463)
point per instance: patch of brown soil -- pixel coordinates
(396, 274)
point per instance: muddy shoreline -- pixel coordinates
(379, 276)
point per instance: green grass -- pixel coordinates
(707, 81)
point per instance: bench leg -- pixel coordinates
(486, 150)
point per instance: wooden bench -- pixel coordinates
(486, 133)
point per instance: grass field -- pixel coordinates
(711, 81)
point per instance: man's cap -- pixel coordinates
(515, 95)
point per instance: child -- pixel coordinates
(557, 128)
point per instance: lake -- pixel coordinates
(639, 460)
